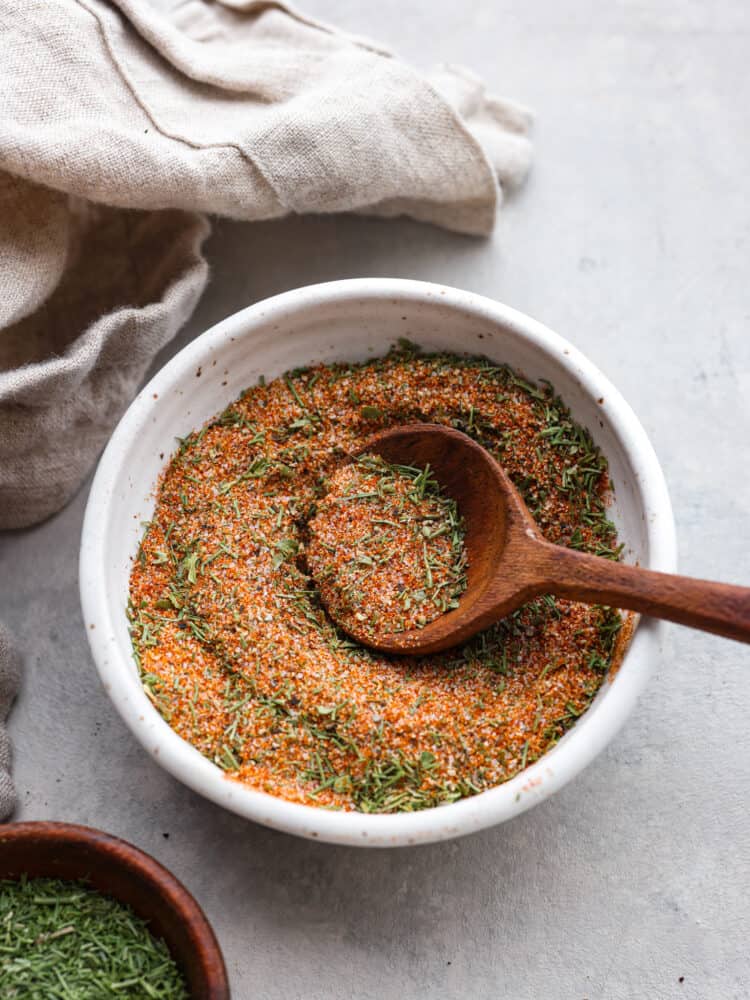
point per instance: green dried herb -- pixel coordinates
(62, 940)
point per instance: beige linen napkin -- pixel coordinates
(9, 679)
(123, 122)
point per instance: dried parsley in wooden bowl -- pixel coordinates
(60, 939)
(85, 915)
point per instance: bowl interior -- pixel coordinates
(117, 869)
(354, 321)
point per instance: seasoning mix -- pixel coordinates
(386, 548)
(237, 652)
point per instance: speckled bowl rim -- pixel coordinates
(587, 738)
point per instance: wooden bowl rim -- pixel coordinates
(132, 859)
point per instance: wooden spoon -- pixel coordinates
(511, 563)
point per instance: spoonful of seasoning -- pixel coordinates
(450, 548)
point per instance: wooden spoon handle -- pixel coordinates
(712, 607)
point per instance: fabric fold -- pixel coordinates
(126, 122)
(10, 678)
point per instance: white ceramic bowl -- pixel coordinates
(351, 321)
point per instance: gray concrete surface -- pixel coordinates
(632, 239)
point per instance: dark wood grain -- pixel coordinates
(114, 867)
(511, 563)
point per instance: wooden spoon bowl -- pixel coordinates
(117, 869)
(510, 562)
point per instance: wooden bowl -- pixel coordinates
(116, 868)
